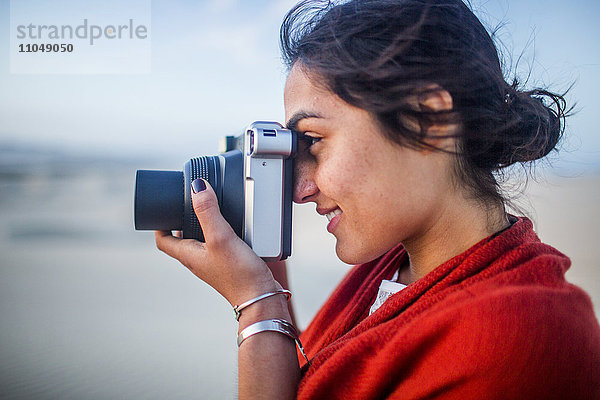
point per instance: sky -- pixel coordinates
(214, 66)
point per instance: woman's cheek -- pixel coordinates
(332, 180)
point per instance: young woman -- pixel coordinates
(405, 117)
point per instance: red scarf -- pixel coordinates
(498, 321)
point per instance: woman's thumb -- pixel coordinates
(206, 207)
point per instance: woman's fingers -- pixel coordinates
(216, 229)
(189, 252)
(224, 261)
(171, 245)
(166, 242)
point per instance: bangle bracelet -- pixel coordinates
(238, 309)
(272, 325)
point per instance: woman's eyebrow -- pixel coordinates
(293, 122)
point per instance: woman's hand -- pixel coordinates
(267, 362)
(224, 261)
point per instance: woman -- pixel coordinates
(405, 117)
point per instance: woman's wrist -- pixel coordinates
(255, 284)
(269, 308)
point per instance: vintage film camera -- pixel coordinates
(253, 180)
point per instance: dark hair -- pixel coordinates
(378, 54)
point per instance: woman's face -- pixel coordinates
(375, 192)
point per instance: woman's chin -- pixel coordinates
(354, 254)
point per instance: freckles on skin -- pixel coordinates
(387, 193)
(357, 179)
(349, 160)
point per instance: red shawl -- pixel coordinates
(498, 321)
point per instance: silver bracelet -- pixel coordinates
(238, 309)
(272, 325)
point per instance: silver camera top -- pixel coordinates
(269, 140)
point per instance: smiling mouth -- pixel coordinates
(332, 214)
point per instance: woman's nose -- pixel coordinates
(305, 187)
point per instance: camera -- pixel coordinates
(253, 181)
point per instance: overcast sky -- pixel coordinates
(215, 67)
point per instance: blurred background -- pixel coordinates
(89, 309)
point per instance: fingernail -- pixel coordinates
(198, 185)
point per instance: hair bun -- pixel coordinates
(533, 129)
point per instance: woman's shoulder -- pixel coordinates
(506, 342)
(522, 311)
(530, 303)
(513, 342)
(497, 321)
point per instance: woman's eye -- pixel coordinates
(310, 140)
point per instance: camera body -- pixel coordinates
(253, 181)
(268, 188)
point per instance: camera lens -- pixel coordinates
(163, 199)
(158, 200)
(209, 169)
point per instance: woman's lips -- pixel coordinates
(333, 217)
(330, 215)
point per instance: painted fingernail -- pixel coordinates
(198, 185)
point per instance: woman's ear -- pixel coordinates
(435, 98)
(440, 133)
